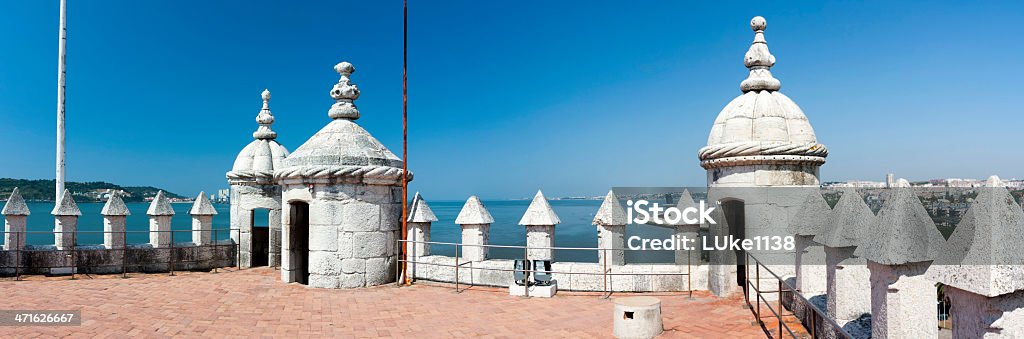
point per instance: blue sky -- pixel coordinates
(509, 97)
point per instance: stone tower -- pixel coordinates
(342, 201)
(253, 187)
(760, 140)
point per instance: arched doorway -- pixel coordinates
(298, 243)
(734, 216)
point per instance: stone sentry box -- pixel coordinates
(760, 141)
(342, 202)
(253, 187)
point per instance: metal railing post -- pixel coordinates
(689, 274)
(398, 272)
(604, 259)
(457, 257)
(17, 255)
(757, 284)
(814, 329)
(124, 254)
(170, 254)
(216, 251)
(778, 313)
(526, 273)
(74, 249)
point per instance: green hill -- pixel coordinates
(42, 190)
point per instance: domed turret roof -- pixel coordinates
(762, 125)
(343, 148)
(261, 157)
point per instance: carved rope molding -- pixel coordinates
(378, 175)
(749, 153)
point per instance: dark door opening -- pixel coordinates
(733, 210)
(260, 255)
(299, 241)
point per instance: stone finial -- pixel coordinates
(344, 93)
(849, 222)
(265, 119)
(115, 206)
(15, 204)
(419, 211)
(539, 213)
(474, 213)
(811, 218)
(66, 205)
(160, 205)
(759, 60)
(202, 206)
(611, 212)
(903, 232)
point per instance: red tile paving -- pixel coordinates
(254, 302)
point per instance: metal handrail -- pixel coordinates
(606, 272)
(782, 287)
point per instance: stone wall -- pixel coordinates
(46, 259)
(584, 276)
(353, 232)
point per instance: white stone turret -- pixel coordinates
(65, 214)
(202, 220)
(904, 241)
(848, 280)
(253, 187)
(420, 218)
(982, 266)
(540, 220)
(160, 213)
(811, 272)
(476, 229)
(689, 232)
(115, 214)
(346, 186)
(15, 219)
(610, 220)
(760, 141)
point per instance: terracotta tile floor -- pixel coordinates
(254, 302)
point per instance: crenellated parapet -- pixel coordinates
(67, 254)
(609, 273)
(982, 267)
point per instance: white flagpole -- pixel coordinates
(61, 74)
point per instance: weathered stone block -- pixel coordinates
(361, 217)
(391, 217)
(345, 244)
(379, 271)
(326, 213)
(370, 244)
(353, 265)
(324, 281)
(325, 263)
(540, 239)
(354, 280)
(323, 238)
(902, 301)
